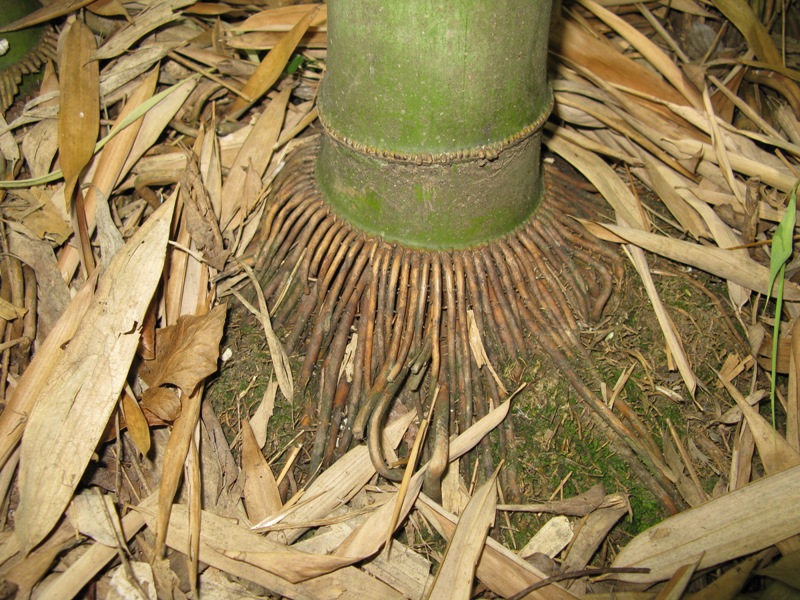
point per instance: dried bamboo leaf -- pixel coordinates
(278, 354)
(283, 18)
(136, 423)
(781, 179)
(776, 453)
(74, 404)
(744, 19)
(456, 573)
(725, 238)
(261, 495)
(551, 539)
(499, 569)
(626, 207)
(260, 419)
(720, 150)
(605, 61)
(655, 55)
(726, 528)
(676, 586)
(156, 15)
(253, 158)
(155, 121)
(629, 211)
(368, 538)
(53, 10)
(112, 157)
(793, 395)
(731, 583)
(271, 67)
(95, 516)
(222, 540)
(335, 486)
(175, 455)
(717, 261)
(29, 387)
(69, 583)
(685, 214)
(79, 108)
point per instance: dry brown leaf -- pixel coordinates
(253, 158)
(161, 405)
(201, 222)
(499, 568)
(725, 528)
(109, 8)
(75, 402)
(53, 10)
(29, 387)
(35, 210)
(136, 423)
(676, 586)
(793, 395)
(95, 516)
(717, 261)
(261, 495)
(776, 453)
(730, 584)
(605, 60)
(649, 50)
(79, 108)
(187, 352)
(744, 19)
(271, 67)
(178, 445)
(154, 16)
(237, 551)
(456, 573)
(283, 18)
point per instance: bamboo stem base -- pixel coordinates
(376, 320)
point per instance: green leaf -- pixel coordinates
(781, 252)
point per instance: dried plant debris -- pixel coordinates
(136, 187)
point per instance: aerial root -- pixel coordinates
(375, 320)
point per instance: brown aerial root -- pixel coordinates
(30, 62)
(376, 321)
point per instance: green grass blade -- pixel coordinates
(781, 247)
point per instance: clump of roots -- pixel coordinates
(31, 62)
(402, 319)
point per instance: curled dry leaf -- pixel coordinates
(160, 405)
(136, 423)
(187, 352)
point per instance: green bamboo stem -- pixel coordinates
(433, 113)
